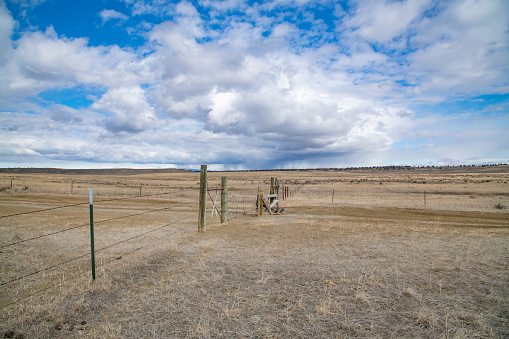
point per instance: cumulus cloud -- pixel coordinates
(287, 99)
(129, 109)
(43, 61)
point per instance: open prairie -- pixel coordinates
(414, 253)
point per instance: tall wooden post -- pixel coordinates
(203, 193)
(224, 200)
(260, 202)
(272, 184)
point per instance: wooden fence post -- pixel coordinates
(203, 202)
(260, 202)
(272, 185)
(224, 200)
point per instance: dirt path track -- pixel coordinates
(437, 218)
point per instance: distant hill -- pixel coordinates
(101, 171)
(501, 168)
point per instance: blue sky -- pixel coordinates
(253, 84)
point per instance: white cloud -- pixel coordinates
(42, 61)
(51, 133)
(223, 6)
(223, 110)
(443, 49)
(463, 49)
(383, 21)
(6, 26)
(130, 109)
(110, 14)
(28, 3)
(153, 7)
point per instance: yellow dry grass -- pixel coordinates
(375, 263)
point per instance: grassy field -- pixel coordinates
(414, 253)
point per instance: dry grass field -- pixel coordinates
(376, 263)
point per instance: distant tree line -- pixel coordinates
(371, 168)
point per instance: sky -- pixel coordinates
(239, 85)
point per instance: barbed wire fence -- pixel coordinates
(239, 205)
(11, 286)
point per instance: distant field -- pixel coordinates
(399, 253)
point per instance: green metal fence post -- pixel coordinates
(92, 233)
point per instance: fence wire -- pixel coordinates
(82, 203)
(87, 224)
(234, 199)
(98, 250)
(73, 277)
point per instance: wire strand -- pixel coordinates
(144, 233)
(86, 224)
(87, 254)
(103, 264)
(81, 203)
